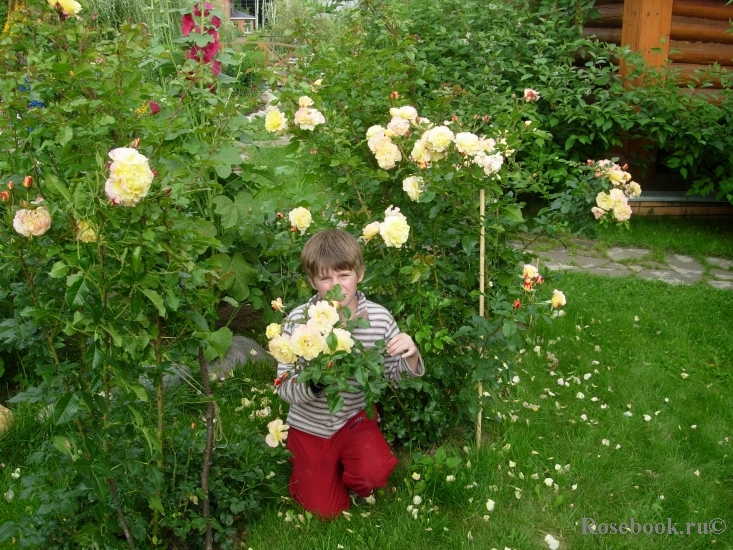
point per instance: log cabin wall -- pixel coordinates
(691, 34)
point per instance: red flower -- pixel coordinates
(4, 196)
(517, 303)
(527, 285)
(154, 107)
(539, 279)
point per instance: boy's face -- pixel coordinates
(348, 279)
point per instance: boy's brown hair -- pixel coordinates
(331, 249)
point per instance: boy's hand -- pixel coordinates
(403, 345)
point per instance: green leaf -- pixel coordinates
(156, 504)
(509, 329)
(56, 187)
(59, 441)
(514, 213)
(77, 293)
(65, 408)
(154, 297)
(64, 135)
(58, 270)
(226, 209)
(221, 340)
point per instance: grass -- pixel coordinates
(676, 465)
(696, 237)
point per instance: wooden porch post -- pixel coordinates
(646, 29)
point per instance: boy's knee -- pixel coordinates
(369, 474)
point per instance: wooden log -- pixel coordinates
(707, 9)
(646, 30)
(606, 3)
(696, 29)
(695, 74)
(611, 15)
(702, 53)
(612, 36)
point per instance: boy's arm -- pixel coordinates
(402, 355)
(289, 388)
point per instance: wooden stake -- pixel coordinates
(481, 287)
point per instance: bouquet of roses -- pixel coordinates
(322, 351)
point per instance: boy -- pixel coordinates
(336, 454)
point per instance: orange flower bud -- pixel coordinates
(314, 151)
(4, 196)
(293, 229)
(395, 95)
(10, 185)
(517, 303)
(135, 143)
(280, 216)
(27, 182)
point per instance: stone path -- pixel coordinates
(676, 269)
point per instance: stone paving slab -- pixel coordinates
(720, 262)
(617, 254)
(721, 274)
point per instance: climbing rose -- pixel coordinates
(598, 212)
(272, 330)
(300, 218)
(394, 229)
(344, 342)
(307, 118)
(370, 231)
(604, 201)
(414, 186)
(84, 232)
(129, 177)
(307, 342)
(621, 212)
(322, 316)
(32, 223)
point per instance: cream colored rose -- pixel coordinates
(618, 197)
(634, 190)
(399, 126)
(370, 231)
(344, 341)
(407, 112)
(621, 212)
(414, 186)
(300, 218)
(282, 350)
(307, 342)
(597, 212)
(129, 176)
(394, 229)
(70, 7)
(420, 153)
(277, 432)
(487, 145)
(32, 223)
(275, 120)
(468, 143)
(490, 163)
(85, 232)
(322, 315)
(439, 138)
(272, 330)
(387, 155)
(305, 101)
(308, 119)
(617, 175)
(529, 271)
(604, 200)
(558, 299)
(375, 131)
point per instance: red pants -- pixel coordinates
(356, 457)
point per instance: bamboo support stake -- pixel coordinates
(481, 287)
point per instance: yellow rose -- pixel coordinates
(272, 330)
(387, 155)
(558, 299)
(634, 190)
(307, 342)
(281, 349)
(621, 212)
(278, 432)
(129, 176)
(32, 223)
(604, 201)
(275, 120)
(322, 315)
(414, 186)
(529, 272)
(394, 229)
(300, 218)
(370, 231)
(399, 126)
(305, 101)
(468, 143)
(439, 138)
(69, 7)
(84, 232)
(344, 342)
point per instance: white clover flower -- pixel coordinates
(548, 481)
(490, 505)
(417, 500)
(415, 476)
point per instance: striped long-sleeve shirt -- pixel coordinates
(309, 412)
